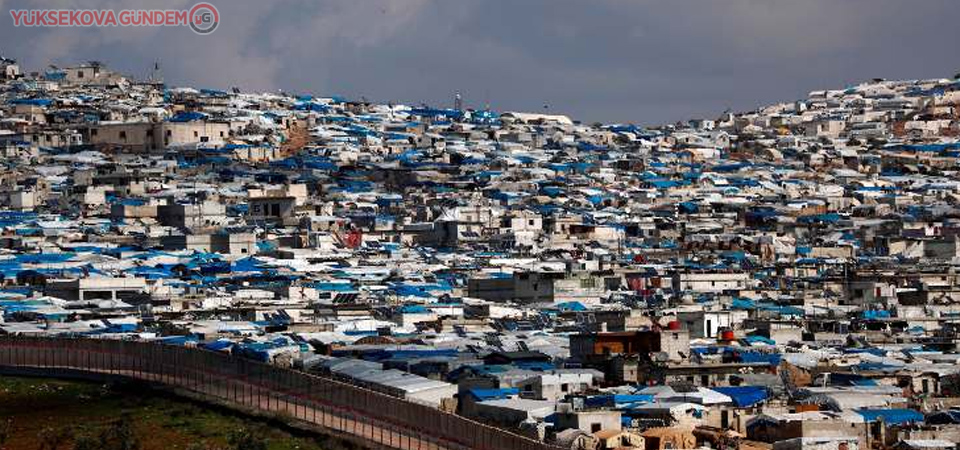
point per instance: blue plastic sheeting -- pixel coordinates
(731, 167)
(437, 113)
(178, 340)
(711, 350)
(872, 351)
(571, 306)
(537, 366)
(876, 314)
(743, 182)
(493, 394)
(419, 290)
(688, 207)
(590, 147)
(820, 218)
(762, 213)
(735, 256)
(116, 328)
(891, 416)
(329, 286)
(849, 379)
(613, 400)
(32, 101)
(358, 333)
(595, 199)
(620, 128)
(55, 75)
(151, 273)
(219, 345)
(781, 310)
(16, 290)
(261, 350)
(743, 396)
(760, 340)
(10, 306)
(414, 309)
(934, 148)
(665, 184)
(311, 106)
(187, 117)
(772, 359)
(877, 367)
(743, 303)
(266, 246)
(44, 258)
(249, 264)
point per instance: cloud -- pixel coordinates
(614, 60)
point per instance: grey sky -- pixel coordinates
(609, 60)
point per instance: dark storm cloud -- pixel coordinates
(626, 60)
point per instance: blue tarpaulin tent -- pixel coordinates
(743, 303)
(891, 416)
(743, 396)
(876, 314)
(493, 394)
(613, 400)
(760, 340)
(772, 359)
(571, 306)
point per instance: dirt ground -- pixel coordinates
(45, 414)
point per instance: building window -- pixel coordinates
(79, 74)
(595, 427)
(564, 387)
(123, 135)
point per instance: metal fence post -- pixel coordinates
(320, 400)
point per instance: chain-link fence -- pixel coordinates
(341, 408)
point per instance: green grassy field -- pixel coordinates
(45, 414)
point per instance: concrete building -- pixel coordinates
(96, 288)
